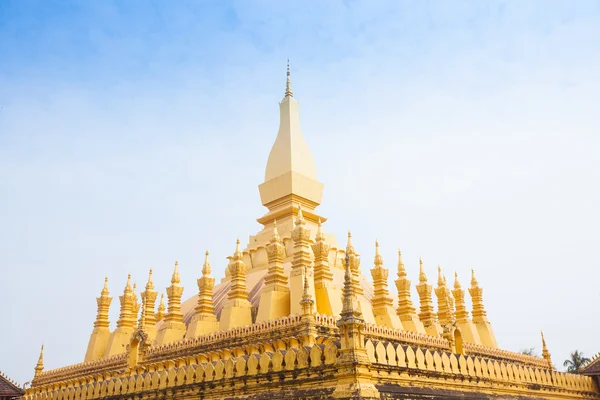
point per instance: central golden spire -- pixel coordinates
(291, 174)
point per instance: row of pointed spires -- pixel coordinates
(449, 310)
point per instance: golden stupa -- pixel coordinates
(295, 318)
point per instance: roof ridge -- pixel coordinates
(11, 382)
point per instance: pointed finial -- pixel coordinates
(150, 284)
(39, 367)
(288, 83)
(545, 353)
(349, 246)
(440, 277)
(401, 269)
(206, 266)
(175, 278)
(104, 291)
(275, 235)
(142, 320)
(474, 282)
(305, 280)
(128, 285)
(543, 339)
(320, 236)
(300, 217)
(161, 308)
(422, 275)
(456, 282)
(378, 259)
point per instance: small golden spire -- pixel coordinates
(288, 83)
(479, 313)
(142, 320)
(39, 367)
(307, 302)
(104, 291)
(545, 352)
(441, 281)
(128, 289)
(206, 266)
(161, 308)
(422, 276)
(175, 278)
(320, 236)
(103, 307)
(275, 234)
(150, 284)
(237, 254)
(378, 259)
(401, 268)
(474, 282)
(350, 310)
(456, 282)
(300, 217)
(349, 246)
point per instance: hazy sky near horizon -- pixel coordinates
(135, 133)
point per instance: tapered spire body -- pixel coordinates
(354, 266)
(173, 328)
(160, 314)
(469, 332)
(174, 293)
(275, 297)
(328, 300)
(462, 314)
(148, 300)
(546, 353)
(101, 333)
(237, 310)
(383, 309)
(480, 319)
(125, 324)
(136, 303)
(127, 317)
(39, 367)
(103, 307)
(426, 312)
(441, 291)
(479, 313)
(302, 263)
(406, 310)
(205, 290)
(276, 278)
(204, 320)
(307, 301)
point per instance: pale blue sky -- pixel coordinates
(135, 133)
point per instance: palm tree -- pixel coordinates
(576, 361)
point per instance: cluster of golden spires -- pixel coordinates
(347, 341)
(314, 273)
